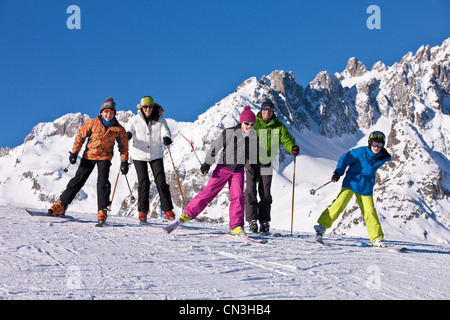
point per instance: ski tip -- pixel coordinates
(277, 235)
(166, 230)
(100, 223)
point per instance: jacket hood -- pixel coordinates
(157, 112)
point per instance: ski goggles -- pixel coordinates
(377, 144)
(108, 111)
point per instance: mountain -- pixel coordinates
(409, 101)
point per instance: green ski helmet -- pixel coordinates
(377, 136)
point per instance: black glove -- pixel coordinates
(129, 135)
(256, 177)
(205, 168)
(295, 150)
(335, 177)
(73, 157)
(124, 167)
(167, 141)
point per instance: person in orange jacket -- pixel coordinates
(101, 132)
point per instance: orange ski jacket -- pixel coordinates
(100, 145)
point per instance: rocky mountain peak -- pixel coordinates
(354, 68)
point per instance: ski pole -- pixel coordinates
(114, 192)
(293, 191)
(313, 191)
(176, 175)
(131, 193)
(192, 146)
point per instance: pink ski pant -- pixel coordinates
(220, 176)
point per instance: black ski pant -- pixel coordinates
(81, 176)
(255, 210)
(157, 167)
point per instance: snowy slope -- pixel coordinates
(51, 258)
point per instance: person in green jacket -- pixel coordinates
(271, 133)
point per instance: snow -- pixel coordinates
(52, 258)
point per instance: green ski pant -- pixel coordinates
(366, 205)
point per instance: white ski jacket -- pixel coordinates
(147, 142)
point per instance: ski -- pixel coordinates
(368, 245)
(100, 223)
(319, 239)
(171, 227)
(268, 234)
(39, 213)
(243, 237)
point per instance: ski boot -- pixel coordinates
(320, 231)
(143, 218)
(379, 243)
(264, 228)
(253, 226)
(169, 215)
(237, 231)
(102, 216)
(184, 218)
(57, 209)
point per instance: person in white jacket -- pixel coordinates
(150, 133)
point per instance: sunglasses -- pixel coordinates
(147, 107)
(377, 144)
(267, 109)
(251, 124)
(108, 111)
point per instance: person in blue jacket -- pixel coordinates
(362, 163)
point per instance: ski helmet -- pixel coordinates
(146, 101)
(377, 136)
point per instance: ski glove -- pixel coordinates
(295, 150)
(73, 157)
(256, 177)
(335, 177)
(124, 167)
(167, 141)
(205, 168)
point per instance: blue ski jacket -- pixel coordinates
(362, 164)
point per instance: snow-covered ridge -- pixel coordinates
(409, 101)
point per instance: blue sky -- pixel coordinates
(187, 54)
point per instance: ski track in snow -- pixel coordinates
(49, 258)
